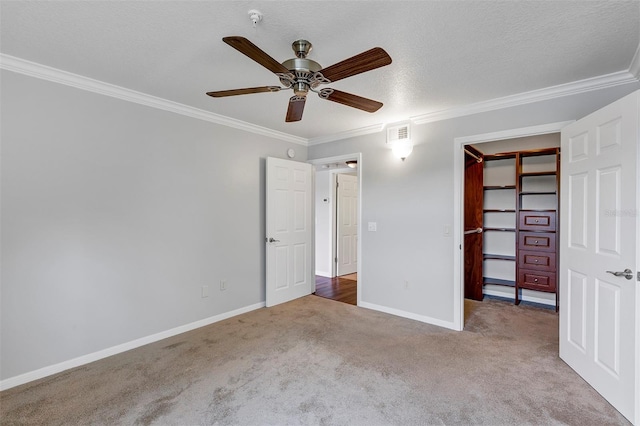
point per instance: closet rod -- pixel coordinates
(478, 159)
(473, 231)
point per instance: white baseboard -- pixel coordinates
(410, 315)
(95, 356)
(323, 273)
(524, 297)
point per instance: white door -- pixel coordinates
(347, 229)
(599, 334)
(289, 230)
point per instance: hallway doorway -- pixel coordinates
(341, 284)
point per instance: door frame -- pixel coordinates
(332, 160)
(458, 201)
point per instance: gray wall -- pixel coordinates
(407, 265)
(114, 215)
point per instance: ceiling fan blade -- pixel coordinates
(296, 107)
(365, 61)
(247, 91)
(244, 46)
(354, 101)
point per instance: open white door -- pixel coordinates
(347, 229)
(289, 230)
(599, 311)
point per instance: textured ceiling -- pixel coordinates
(445, 53)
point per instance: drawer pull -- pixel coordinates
(535, 280)
(537, 220)
(536, 241)
(535, 260)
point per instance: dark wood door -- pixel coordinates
(473, 205)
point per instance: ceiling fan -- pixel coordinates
(303, 75)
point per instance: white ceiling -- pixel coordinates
(446, 54)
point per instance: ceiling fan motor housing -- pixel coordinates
(303, 71)
(301, 48)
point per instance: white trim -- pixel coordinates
(32, 69)
(458, 193)
(458, 240)
(95, 356)
(524, 297)
(561, 90)
(510, 134)
(376, 128)
(636, 421)
(313, 233)
(361, 277)
(336, 159)
(22, 66)
(409, 315)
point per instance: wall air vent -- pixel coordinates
(398, 132)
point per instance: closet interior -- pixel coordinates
(511, 219)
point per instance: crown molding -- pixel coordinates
(22, 66)
(33, 69)
(553, 92)
(542, 129)
(376, 128)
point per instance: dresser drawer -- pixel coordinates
(538, 260)
(537, 280)
(537, 221)
(537, 241)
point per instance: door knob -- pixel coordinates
(273, 240)
(626, 273)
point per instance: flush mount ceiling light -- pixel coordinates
(399, 139)
(352, 163)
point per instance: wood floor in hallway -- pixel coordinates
(343, 289)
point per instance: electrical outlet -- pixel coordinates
(223, 285)
(205, 291)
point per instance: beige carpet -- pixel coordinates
(318, 362)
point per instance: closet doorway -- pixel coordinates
(510, 219)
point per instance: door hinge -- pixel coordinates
(337, 184)
(638, 276)
(335, 259)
